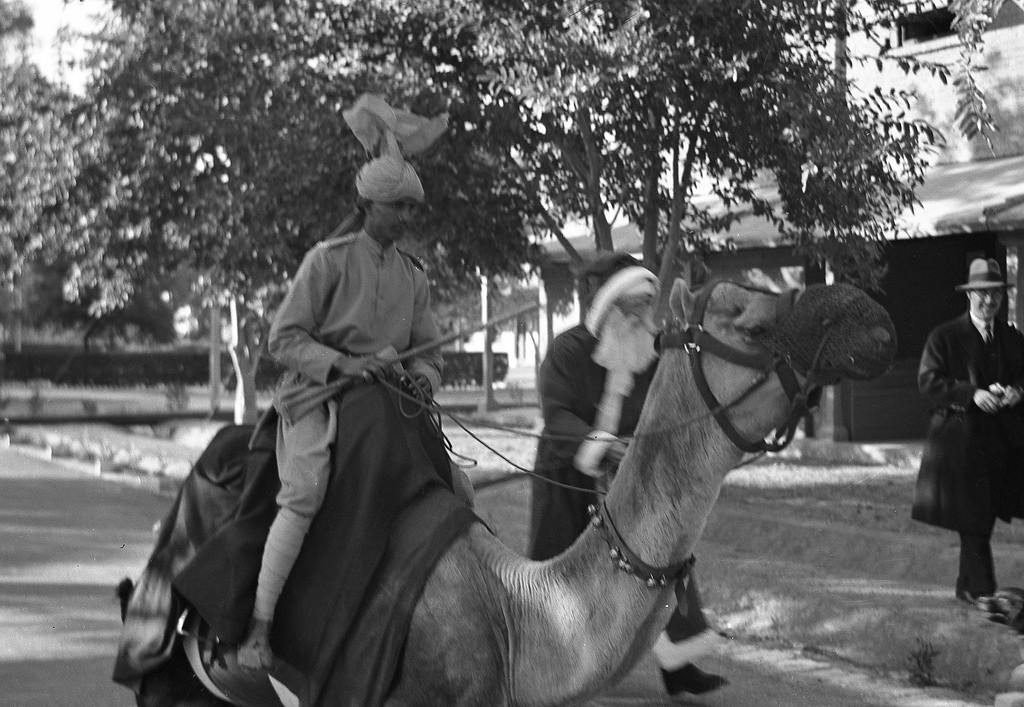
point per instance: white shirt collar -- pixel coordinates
(981, 325)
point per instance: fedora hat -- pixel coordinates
(983, 274)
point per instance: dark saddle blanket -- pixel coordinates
(388, 516)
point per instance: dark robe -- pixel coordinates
(570, 387)
(971, 470)
(388, 515)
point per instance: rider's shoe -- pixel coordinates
(254, 652)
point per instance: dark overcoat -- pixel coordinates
(971, 470)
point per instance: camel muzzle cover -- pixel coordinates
(855, 334)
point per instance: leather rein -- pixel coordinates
(695, 340)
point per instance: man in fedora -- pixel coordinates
(972, 373)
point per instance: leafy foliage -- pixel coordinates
(719, 95)
(210, 139)
(224, 148)
(972, 19)
(38, 164)
(146, 318)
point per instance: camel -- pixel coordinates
(492, 628)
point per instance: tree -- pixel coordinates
(715, 95)
(34, 145)
(973, 18)
(211, 136)
(221, 147)
(147, 318)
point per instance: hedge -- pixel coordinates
(188, 367)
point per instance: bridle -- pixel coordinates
(696, 340)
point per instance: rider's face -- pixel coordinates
(390, 222)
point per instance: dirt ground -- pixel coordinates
(822, 558)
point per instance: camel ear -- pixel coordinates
(681, 301)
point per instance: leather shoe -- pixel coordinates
(978, 601)
(691, 679)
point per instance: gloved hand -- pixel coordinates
(592, 452)
(613, 455)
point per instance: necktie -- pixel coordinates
(986, 333)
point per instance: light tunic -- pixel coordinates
(352, 297)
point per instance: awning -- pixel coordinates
(966, 197)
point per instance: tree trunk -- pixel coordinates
(592, 179)
(487, 402)
(215, 350)
(651, 206)
(245, 360)
(680, 196)
(19, 315)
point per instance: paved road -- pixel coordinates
(68, 538)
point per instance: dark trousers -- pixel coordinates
(977, 569)
(688, 621)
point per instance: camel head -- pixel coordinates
(764, 354)
(851, 334)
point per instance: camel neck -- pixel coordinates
(660, 509)
(673, 471)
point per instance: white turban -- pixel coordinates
(387, 179)
(386, 133)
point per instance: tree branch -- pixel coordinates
(552, 223)
(602, 229)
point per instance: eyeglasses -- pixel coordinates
(986, 294)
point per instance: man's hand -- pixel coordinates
(423, 384)
(366, 367)
(418, 386)
(987, 401)
(1011, 396)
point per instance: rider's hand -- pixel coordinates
(987, 401)
(365, 367)
(423, 385)
(417, 385)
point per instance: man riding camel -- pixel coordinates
(355, 303)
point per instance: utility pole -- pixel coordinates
(487, 402)
(18, 309)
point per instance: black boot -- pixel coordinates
(692, 680)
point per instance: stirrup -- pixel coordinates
(190, 646)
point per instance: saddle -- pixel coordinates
(388, 516)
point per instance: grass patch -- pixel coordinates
(921, 663)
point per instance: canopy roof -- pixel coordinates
(967, 197)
